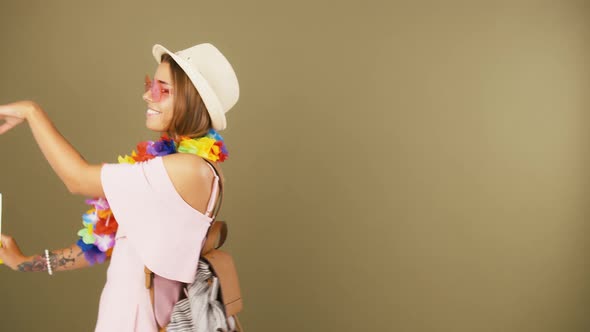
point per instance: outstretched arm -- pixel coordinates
(65, 259)
(78, 176)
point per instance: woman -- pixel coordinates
(154, 208)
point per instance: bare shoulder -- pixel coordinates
(187, 166)
(192, 178)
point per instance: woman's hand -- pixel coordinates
(15, 113)
(10, 252)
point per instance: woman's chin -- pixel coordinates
(154, 127)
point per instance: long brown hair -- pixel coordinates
(190, 117)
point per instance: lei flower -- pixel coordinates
(98, 236)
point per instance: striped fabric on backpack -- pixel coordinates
(201, 310)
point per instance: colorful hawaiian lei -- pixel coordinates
(97, 238)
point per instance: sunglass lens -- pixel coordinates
(154, 88)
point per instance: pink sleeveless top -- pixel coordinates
(158, 229)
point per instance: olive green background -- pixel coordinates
(395, 166)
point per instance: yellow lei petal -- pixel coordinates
(126, 160)
(104, 214)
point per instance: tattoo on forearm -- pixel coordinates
(61, 260)
(37, 264)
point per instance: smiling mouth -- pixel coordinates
(151, 112)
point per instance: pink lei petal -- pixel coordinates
(98, 203)
(104, 242)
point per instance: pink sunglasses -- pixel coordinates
(158, 91)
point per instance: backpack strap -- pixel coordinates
(220, 181)
(239, 327)
(217, 233)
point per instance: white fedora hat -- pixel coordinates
(211, 74)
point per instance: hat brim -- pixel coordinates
(214, 107)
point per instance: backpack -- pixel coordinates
(213, 300)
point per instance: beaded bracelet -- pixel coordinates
(49, 270)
